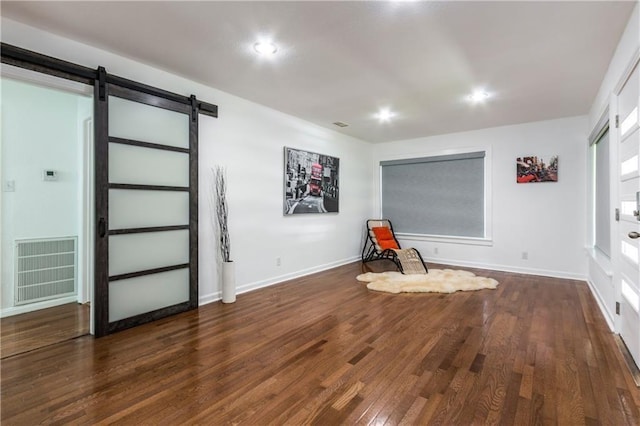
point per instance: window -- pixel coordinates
(602, 212)
(440, 195)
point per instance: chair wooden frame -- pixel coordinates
(372, 250)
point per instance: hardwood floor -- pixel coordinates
(33, 330)
(324, 350)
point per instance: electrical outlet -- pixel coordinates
(525, 255)
(278, 261)
(435, 250)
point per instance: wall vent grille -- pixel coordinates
(45, 269)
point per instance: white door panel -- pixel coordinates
(626, 258)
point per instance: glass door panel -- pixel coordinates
(134, 164)
(149, 250)
(143, 208)
(145, 123)
(130, 297)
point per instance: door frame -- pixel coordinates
(85, 204)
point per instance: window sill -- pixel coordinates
(471, 241)
(601, 259)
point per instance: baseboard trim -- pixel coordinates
(628, 360)
(214, 297)
(608, 317)
(505, 268)
(209, 298)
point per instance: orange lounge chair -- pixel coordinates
(382, 244)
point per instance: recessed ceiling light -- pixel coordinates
(265, 48)
(385, 115)
(478, 96)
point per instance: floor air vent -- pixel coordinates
(45, 269)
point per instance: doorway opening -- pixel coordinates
(46, 208)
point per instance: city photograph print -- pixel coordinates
(534, 168)
(311, 182)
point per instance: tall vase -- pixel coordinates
(228, 282)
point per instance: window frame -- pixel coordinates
(487, 240)
(605, 122)
(596, 201)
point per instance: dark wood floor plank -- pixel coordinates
(32, 330)
(323, 349)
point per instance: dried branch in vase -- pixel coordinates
(222, 212)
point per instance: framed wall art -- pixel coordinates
(537, 168)
(311, 182)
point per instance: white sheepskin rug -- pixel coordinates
(436, 281)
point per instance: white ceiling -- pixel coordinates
(343, 61)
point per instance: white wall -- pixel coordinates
(249, 140)
(544, 219)
(626, 49)
(39, 132)
(600, 270)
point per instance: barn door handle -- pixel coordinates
(633, 235)
(102, 227)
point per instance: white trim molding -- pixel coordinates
(245, 288)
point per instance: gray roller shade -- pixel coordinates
(440, 195)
